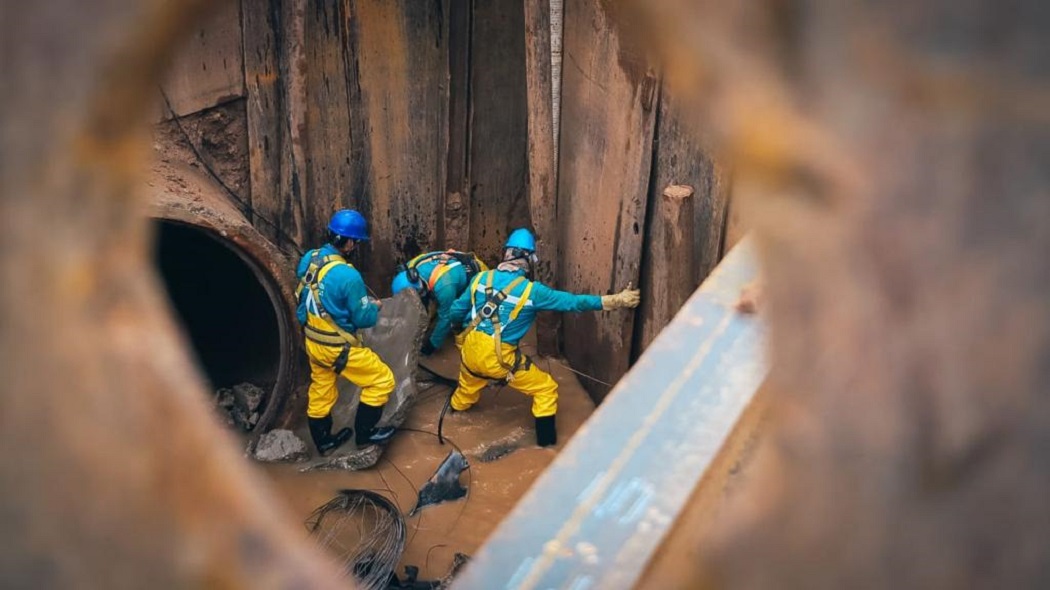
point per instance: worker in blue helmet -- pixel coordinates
(501, 306)
(439, 278)
(333, 305)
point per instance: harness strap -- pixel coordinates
(317, 263)
(315, 272)
(521, 302)
(493, 300)
(443, 267)
(323, 337)
(522, 362)
(490, 311)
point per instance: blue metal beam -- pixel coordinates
(597, 515)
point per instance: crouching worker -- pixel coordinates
(438, 277)
(502, 306)
(333, 305)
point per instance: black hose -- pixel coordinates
(441, 418)
(451, 383)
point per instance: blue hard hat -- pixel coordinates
(521, 239)
(349, 224)
(401, 282)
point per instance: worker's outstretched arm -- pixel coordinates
(626, 299)
(545, 298)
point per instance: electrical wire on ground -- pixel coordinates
(365, 531)
(570, 368)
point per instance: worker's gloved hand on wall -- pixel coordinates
(624, 299)
(427, 349)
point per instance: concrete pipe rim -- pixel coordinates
(271, 269)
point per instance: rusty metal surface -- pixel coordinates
(596, 516)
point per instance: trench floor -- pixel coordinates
(438, 532)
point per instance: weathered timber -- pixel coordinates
(208, 68)
(294, 73)
(667, 277)
(608, 109)
(682, 156)
(400, 52)
(328, 139)
(499, 126)
(454, 225)
(260, 20)
(542, 167)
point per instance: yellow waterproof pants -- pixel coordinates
(364, 369)
(479, 359)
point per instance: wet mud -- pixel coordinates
(501, 420)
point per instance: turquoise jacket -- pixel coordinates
(343, 294)
(542, 298)
(447, 289)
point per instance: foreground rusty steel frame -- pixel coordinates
(114, 472)
(907, 286)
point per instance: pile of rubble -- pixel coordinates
(240, 406)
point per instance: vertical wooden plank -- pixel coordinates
(542, 177)
(737, 222)
(293, 68)
(668, 261)
(681, 157)
(259, 22)
(710, 245)
(401, 55)
(608, 110)
(328, 137)
(208, 67)
(454, 230)
(499, 126)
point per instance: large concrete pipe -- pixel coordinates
(230, 286)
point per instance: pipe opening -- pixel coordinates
(226, 311)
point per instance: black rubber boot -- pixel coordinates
(321, 432)
(546, 433)
(365, 425)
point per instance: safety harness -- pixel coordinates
(316, 270)
(446, 261)
(490, 311)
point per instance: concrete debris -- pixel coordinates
(396, 338)
(444, 485)
(240, 405)
(280, 446)
(501, 447)
(460, 560)
(352, 460)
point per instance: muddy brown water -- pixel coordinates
(438, 532)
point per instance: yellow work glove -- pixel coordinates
(627, 298)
